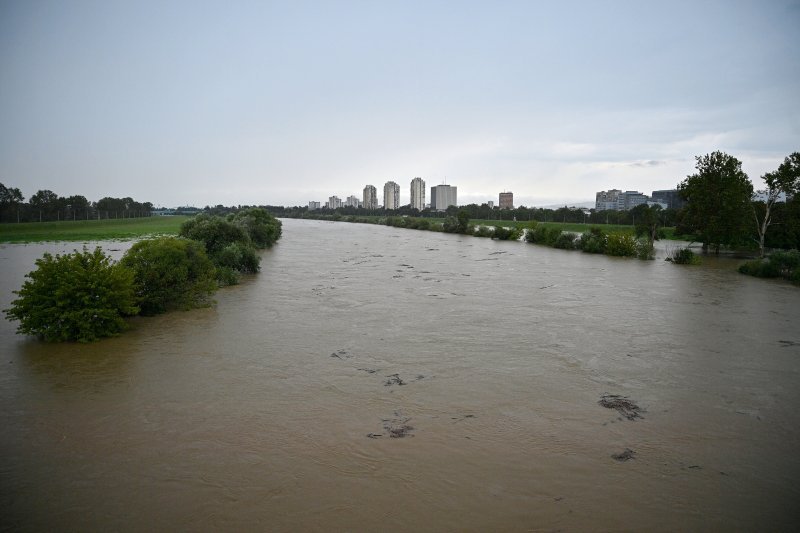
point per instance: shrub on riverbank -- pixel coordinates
(231, 243)
(621, 245)
(506, 234)
(82, 296)
(593, 241)
(779, 264)
(684, 256)
(170, 273)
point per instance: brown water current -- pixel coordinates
(380, 379)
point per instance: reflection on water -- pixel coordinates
(277, 408)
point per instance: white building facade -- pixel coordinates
(418, 194)
(443, 196)
(334, 202)
(370, 197)
(391, 195)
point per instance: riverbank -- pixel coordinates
(436, 224)
(90, 230)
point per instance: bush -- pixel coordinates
(170, 273)
(785, 262)
(684, 256)
(484, 231)
(214, 232)
(506, 234)
(760, 268)
(645, 250)
(227, 244)
(621, 245)
(547, 235)
(238, 256)
(778, 264)
(565, 241)
(82, 296)
(593, 241)
(262, 228)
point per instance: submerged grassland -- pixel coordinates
(90, 230)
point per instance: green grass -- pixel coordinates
(91, 230)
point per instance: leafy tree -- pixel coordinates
(170, 273)
(214, 232)
(10, 199)
(46, 202)
(785, 180)
(81, 296)
(647, 221)
(718, 200)
(463, 220)
(263, 229)
(227, 244)
(593, 241)
(621, 244)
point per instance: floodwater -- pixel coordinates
(280, 408)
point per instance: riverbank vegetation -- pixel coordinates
(784, 265)
(84, 296)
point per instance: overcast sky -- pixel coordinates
(196, 103)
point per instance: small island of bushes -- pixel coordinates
(85, 296)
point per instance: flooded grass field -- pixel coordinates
(380, 379)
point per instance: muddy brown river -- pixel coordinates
(380, 379)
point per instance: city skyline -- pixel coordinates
(262, 103)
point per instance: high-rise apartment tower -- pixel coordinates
(418, 194)
(391, 195)
(370, 197)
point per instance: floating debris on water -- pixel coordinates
(341, 354)
(394, 379)
(626, 455)
(622, 404)
(398, 427)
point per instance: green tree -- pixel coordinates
(170, 273)
(10, 199)
(718, 198)
(263, 229)
(785, 180)
(81, 296)
(227, 244)
(213, 231)
(46, 202)
(463, 220)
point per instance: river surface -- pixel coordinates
(275, 410)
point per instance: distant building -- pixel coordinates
(606, 200)
(391, 195)
(334, 202)
(370, 197)
(506, 200)
(490, 203)
(418, 194)
(352, 201)
(670, 197)
(630, 199)
(443, 196)
(615, 199)
(313, 205)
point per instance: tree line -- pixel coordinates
(723, 208)
(47, 206)
(484, 212)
